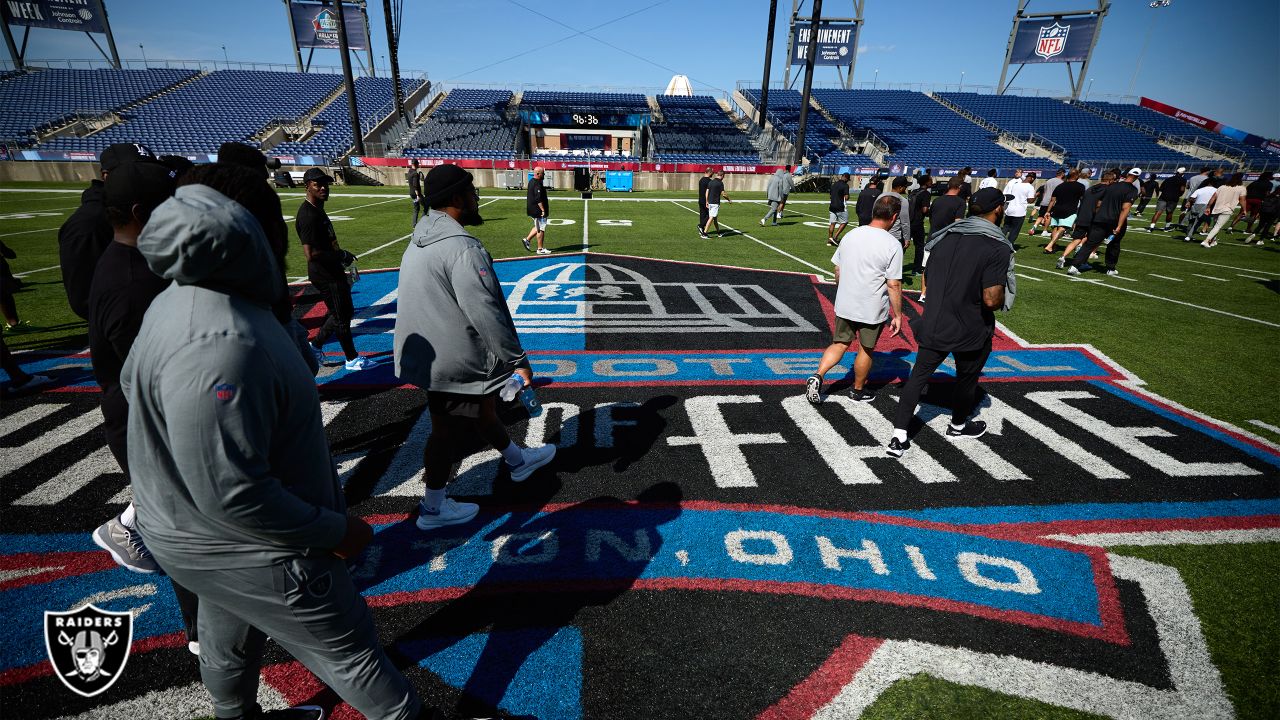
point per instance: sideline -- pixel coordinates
(1100, 283)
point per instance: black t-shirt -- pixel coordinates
(1066, 199)
(966, 189)
(315, 229)
(839, 193)
(715, 189)
(415, 183)
(866, 203)
(955, 319)
(702, 191)
(122, 290)
(920, 206)
(1113, 200)
(1089, 203)
(944, 211)
(81, 241)
(1258, 189)
(1172, 187)
(537, 193)
(1150, 187)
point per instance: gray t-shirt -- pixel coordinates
(1049, 186)
(868, 258)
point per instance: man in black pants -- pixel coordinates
(415, 189)
(967, 273)
(122, 289)
(702, 201)
(921, 200)
(1110, 221)
(867, 199)
(326, 264)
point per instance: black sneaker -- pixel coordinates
(896, 448)
(864, 395)
(971, 429)
(813, 389)
(703, 235)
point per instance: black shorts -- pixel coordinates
(456, 404)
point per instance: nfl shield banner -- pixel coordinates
(88, 647)
(1054, 40)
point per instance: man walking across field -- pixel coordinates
(970, 273)
(1167, 198)
(838, 209)
(1046, 197)
(703, 182)
(326, 269)
(776, 193)
(1018, 193)
(867, 199)
(869, 284)
(538, 206)
(1110, 220)
(415, 188)
(901, 228)
(455, 339)
(714, 195)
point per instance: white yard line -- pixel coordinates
(1210, 277)
(1030, 277)
(797, 212)
(33, 272)
(1266, 426)
(1198, 262)
(780, 251)
(357, 207)
(1099, 283)
(384, 245)
(585, 224)
(1164, 277)
(44, 191)
(27, 232)
(1255, 277)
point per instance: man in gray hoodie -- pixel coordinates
(454, 338)
(780, 184)
(901, 228)
(236, 492)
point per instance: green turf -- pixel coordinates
(924, 697)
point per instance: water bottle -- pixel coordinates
(510, 388)
(530, 401)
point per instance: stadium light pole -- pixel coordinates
(808, 78)
(144, 54)
(768, 61)
(876, 79)
(224, 56)
(1145, 42)
(345, 47)
(393, 49)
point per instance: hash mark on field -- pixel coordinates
(33, 272)
(1267, 426)
(1210, 277)
(1164, 277)
(1255, 277)
(1030, 277)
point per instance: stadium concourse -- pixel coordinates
(706, 542)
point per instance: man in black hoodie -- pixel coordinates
(85, 234)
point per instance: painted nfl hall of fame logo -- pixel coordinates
(88, 647)
(1052, 40)
(706, 542)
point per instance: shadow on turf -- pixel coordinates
(550, 593)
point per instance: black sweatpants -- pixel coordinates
(417, 207)
(1097, 235)
(337, 297)
(703, 217)
(969, 364)
(1013, 226)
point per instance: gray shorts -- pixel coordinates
(840, 218)
(1166, 206)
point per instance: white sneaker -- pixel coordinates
(1113, 273)
(357, 364)
(532, 459)
(1205, 243)
(543, 251)
(1045, 234)
(1062, 262)
(125, 546)
(761, 222)
(1073, 270)
(451, 512)
(193, 647)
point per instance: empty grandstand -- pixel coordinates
(1086, 136)
(334, 137)
(467, 124)
(206, 112)
(1161, 125)
(920, 132)
(40, 100)
(697, 130)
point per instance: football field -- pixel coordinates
(707, 544)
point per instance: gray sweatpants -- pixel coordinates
(773, 211)
(310, 607)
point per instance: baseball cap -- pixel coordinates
(443, 182)
(315, 174)
(1136, 171)
(146, 182)
(1182, 169)
(113, 156)
(986, 200)
(178, 164)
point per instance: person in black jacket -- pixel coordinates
(867, 199)
(326, 268)
(85, 234)
(415, 189)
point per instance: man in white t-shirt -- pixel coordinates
(1199, 202)
(869, 282)
(1018, 194)
(989, 180)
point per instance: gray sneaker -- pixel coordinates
(1062, 262)
(126, 546)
